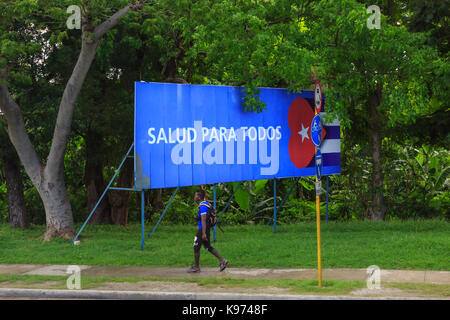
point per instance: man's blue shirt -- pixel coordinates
(201, 211)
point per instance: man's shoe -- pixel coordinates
(223, 265)
(194, 269)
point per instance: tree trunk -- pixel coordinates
(48, 178)
(94, 181)
(390, 11)
(119, 199)
(14, 188)
(52, 188)
(58, 211)
(377, 209)
(157, 202)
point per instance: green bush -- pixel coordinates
(417, 184)
(179, 212)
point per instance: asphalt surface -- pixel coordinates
(140, 295)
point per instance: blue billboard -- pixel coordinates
(200, 134)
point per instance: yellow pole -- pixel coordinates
(319, 259)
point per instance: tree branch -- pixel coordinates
(67, 105)
(277, 21)
(335, 44)
(55, 161)
(112, 21)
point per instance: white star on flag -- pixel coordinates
(304, 132)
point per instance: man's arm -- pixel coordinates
(203, 217)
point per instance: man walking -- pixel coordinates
(203, 234)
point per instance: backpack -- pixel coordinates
(211, 216)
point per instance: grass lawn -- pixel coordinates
(407, 245)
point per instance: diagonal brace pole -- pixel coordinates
(284, 200)
(225, 209)
(229, 201)
(104, 192)
(164, 212)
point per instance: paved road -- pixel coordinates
(139, 295)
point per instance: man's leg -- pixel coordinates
(197, 258)
(197, 246)
(223, 262)
(207, 244)
(215, 253)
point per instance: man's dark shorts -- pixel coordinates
(198, 241)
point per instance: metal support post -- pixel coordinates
(327, 201)
(142, 219)
(214, 229)
(274, 205)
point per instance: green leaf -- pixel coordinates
(420, 158)
(307, 185)
(259, 185)
(242, 198)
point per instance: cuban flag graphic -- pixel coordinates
(301, 147)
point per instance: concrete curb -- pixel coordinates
(143, 295)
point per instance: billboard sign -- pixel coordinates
(200, 134)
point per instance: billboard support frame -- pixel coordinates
(127, 155)
(142, 189)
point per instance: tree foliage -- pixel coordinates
(388, 86)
